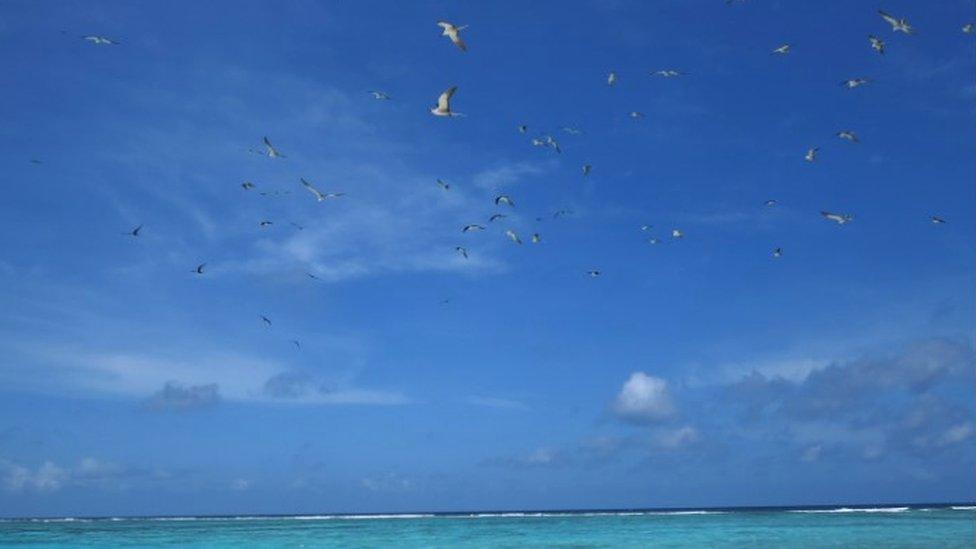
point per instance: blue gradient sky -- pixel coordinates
(693, 372)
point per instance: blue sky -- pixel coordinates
(699, 371)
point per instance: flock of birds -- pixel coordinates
(443, 108)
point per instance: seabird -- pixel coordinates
(560, 213)
(265, 223)
(897, 24)
(379, 95)
(199, 269)
(668, 73)
(297, 343)
(877, 44)
(504, 199)
(636, 115)
(523, 128)
(266, 320)
(536, 238)
(271, 151)
(247, 185)
(770, 202)
(310, 275)
(676, 233)
(572, 131)
(811, 154)
(496, 217)
(611, 78)
(454, 33)
(443, 107)
(854, 82)
(472, 227)
(968, 28)
(99, 40)
(840, 219)
(462, 250)
(594, 273)
(443, 185)
(848, 135)
(586, 169)
(296, 225)
(778, 252)
(511, 234)
(652, 240)
(937, 220)
(646, 228)
(784, 49)
(320, 196)
(135, 232)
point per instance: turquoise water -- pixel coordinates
(876, 527)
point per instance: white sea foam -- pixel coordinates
(853, 510)
(686, 513)
(963, 508)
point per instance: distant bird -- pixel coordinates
(572, 131)
(454, 33)
(271, 151)
(443, 107)
(472, 227)
(135, 231)
(586, 169)
(676, 233)
(296, 225)
(523, 128)
(771, 202)
(319, 196)
(266, 223)
(35, 161)
(937, 220)
(636, 115)
(854, 83)
(461, 250)
(504, 199)
(968, 28)
(378, 95)
(546, 141)
(811, 155)
(783, 50)
(652, 240)
(611, 78)
(247, 185)
(443, 185)
(848, 135)
(560, 213)
(877, 44)
(312, 276)
(496, 217)
(199, 269)
(646, 228)
(897, 24)
(266, 320)
(594, 273)
(778, 252)
(840, 219)
(297, 343)
(99, 40)
(667, 73)
(536, 238)
(511, 234)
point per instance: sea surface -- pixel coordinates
(888, 526)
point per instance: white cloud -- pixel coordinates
(388, 482)
(955, 434)
(673, 439)
(644, 398)
(812, 453)
(48, 477)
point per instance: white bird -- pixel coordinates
(782, 50)
(99, 40)
(462, 250)
(504, 199)
(854, 82)
(877, 44)
(536, 238)
(472, 227)
(443, 107)
(271, 151)
(676, 233)
(968, 28)
(778, 252)
(586, 169)
(848, 135)
(443, 185)
(319, 195)
(811, 154)
(897, 24)
(636, 115)
(454, 33)
(840, 219)
(652, 240)
(667, 73)
(572, 131)
(379, 95)
(937, 220)
(611, 78)
(511, 234)
(646, 228)
(770, 202)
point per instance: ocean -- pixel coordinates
(888, 526)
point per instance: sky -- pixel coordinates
(697, 371)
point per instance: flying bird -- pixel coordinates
(968, 28)
(667, 73)
(676, 233)
(523, 128)
(462, 250)
(504, 199)
(937, 220)
(319, 195)
(652, 240)
(135, 231)
(897, 24)
(296, 225)
(770, 202)
(840, 219)
(271, 151)
(572, 131)
(811, 155)
(854, 82)
(611, 78)
(511, 234)
(782, 50)
(594, 273)
(496, 217)
(778, 252)
(877, 44)
(472, 227)
(586, 169)
(443, 185)
(636, 115)
(266, 320)
(560, 213)
(443, 107)
(247, 185)
(265, 223)
(99, 40)
(848, 135)
(454, 33)
(297, 343)
(536, 238)
(310, 275)
(199, 269)
(378, 95)
(646, 228)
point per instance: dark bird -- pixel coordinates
(443, 185)
(247, 185)
(265, 223)
(462, 250)
(266, 320)
(504, 199)
(496, 217)
(199, 269)
(135, 232)
(472, 227)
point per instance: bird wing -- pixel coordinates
(891, 20)
(456, 38)
(444, 101)
(445, 25)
